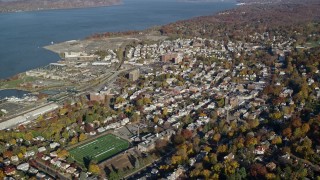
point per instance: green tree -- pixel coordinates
(242, 173)
(113, 175)
(28, 136)
(23, 149)
(213, 158)
(220, 102)
(139, 102)
(119, 100)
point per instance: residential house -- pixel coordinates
(177, 172)
(54, 145)
(101, 130)
(271, 166)
(6, 162)
(10, 170)
(71, 170)
(29, 154)
(40, 175)
(33, 170)
(46, 158)
(41, 149)
(23, 167)
(53, 154)
(229, 157)
(64, 166)
(260, 150)
(14, 159)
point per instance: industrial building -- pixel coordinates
(172, 57)
(81, 56)
(100, 97)
(134, 75)
(28, 116)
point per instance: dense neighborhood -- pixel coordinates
(185, 107)
(198, 90)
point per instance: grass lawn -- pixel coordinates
(17, 82)
(99, 149)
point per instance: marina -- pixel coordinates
(12, 92)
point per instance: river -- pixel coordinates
(23, 34)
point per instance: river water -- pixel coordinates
(23, 34)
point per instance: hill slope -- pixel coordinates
(247, 19)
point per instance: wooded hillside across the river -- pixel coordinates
(34, 5)
(246, 19)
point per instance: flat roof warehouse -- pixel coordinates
(28, 116)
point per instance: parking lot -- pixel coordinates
(11, 107)
(129, 130)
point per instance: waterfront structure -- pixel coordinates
(80, 56)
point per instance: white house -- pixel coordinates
(23, 167)
(29, 154)
(54, 145)
(41, 149)
(259, 150)
(14, 159)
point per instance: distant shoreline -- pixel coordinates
(10, 7)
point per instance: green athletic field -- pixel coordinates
(99, 149)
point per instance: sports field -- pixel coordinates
(99, 149)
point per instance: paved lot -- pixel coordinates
(11, 107)
(129, 130)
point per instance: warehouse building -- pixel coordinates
(27, 117)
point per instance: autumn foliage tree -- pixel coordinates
(287, 132)
(186, 133)
(230, 167)
(216, 137)
(82, 137)
(94, 168)
(63, 153)
(258, 170)
(2, 175)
